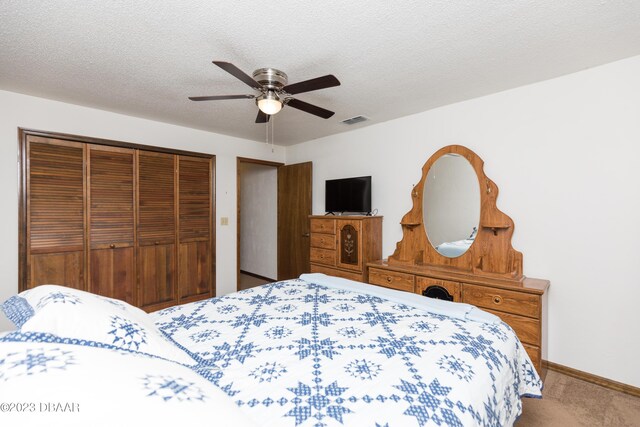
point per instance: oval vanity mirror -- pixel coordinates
(451, 205)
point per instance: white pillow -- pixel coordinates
(53, 384)
(75, 314)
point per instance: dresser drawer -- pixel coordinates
(453, 288)
(323, 256)
(319, 225)
(534, 354)
(526, 328)
(335, 272)
(514, 302)
(324, 241)
(391, 279)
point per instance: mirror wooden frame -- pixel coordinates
(490, 255)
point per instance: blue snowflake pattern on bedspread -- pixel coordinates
(167, 388)
(58, 298)
(301, 354)
(127, 334)
(34, 361)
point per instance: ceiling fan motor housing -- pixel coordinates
(270, 78)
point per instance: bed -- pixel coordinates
(313, 351)
(456, 248)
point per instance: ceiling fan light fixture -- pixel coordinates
(269, 103)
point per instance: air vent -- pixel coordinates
(354, 120)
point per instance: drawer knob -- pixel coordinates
(112, 246)
(389, 279)
(497, 299)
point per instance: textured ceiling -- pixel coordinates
(144, 58)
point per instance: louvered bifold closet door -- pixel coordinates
(55, 213)
(111, 217)
(195, 216)
(156, 230)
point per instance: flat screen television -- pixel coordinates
(348, 195)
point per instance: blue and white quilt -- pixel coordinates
(307, 353)
(46, 380)
(79, 359)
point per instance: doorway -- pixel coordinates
(257, 222)
(274, 202)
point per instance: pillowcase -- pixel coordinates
(54, 384)
(71, 313)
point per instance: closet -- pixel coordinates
(122, 220)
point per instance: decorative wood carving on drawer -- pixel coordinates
(453, 288)
(348, 245)
(350, 240)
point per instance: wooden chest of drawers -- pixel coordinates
(521, 307)
(342, 246)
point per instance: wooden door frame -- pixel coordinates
(239, 161)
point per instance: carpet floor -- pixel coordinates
(569, 402)
(247, 281)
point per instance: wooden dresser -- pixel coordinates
(518, 306)
(456, 245)
(342, 246)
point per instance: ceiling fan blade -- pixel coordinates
(218, 97)
(309, 108)
(262, 117)
(238, 74)
(313, 84)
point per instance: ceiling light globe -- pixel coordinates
(269, 103)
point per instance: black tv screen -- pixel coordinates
(348, 195)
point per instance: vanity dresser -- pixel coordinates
(456, 245)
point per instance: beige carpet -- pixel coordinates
(569, 402)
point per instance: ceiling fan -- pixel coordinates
(274, 91)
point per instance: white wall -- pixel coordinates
(564, 154)
(259, 219)
(42, 114)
